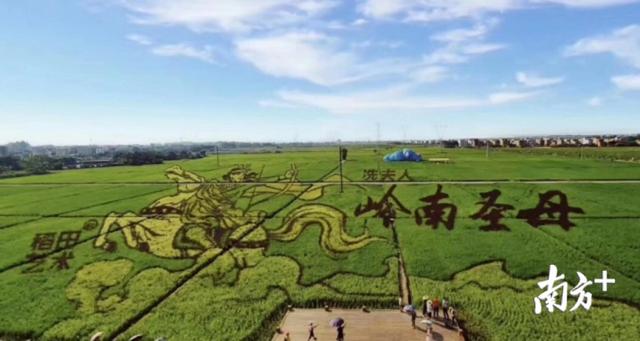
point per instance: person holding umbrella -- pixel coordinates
(339, 324)
(411, 310)
(340, 333)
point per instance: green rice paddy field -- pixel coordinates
(195, 250)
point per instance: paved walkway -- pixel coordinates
(377, 325)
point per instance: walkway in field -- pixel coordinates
(377, 325)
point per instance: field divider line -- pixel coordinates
(403, 279)
(61, 214)
(192, 274)
(312, 182)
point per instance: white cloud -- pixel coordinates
(313, 57)
(437, 10)
(359, 22)
(429, 74)
(511, 97)
(225, 15)
(140, 39)
(204, 54)
(393, 101)
(433, 10)
(587, 3)
(535, 81)
(481, 48)
(623, 43)
(386, 44)
(445, 56)
(463, 34)
(627, 82)
(594, 101)
(461, 44)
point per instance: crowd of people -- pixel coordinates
(432, 308)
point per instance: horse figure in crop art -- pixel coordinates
(204, 215)
(222, 221)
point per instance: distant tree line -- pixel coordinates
(148, 157)
(38, 164)
(41, 164)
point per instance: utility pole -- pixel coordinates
(378, 145)
(487, 149)
(340, 165)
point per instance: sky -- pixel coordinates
(154, 71)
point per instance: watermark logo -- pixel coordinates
(557, 291)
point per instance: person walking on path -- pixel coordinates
(341, 332)
(312, 331)
(287, 336)
(429, 308)
(445, 309)
(452, 315)
(436, 308)
(414, 315)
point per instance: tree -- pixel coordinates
(37, 164)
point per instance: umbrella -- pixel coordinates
(335, 323)
(409, 309)
(429, 323)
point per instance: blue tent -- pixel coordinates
(403, 155)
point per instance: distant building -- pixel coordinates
(19, 148)
(94, 163)
(463, 143)
(450, 144)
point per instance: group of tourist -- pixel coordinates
(431, 309)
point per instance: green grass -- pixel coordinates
(38, 301)
(496, 306)
(311, 165)
(607, 153)
(242, 293)
(472, 164)
(76, 198)
(222, 303)
(317, 264)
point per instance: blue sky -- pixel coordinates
(125, 71)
